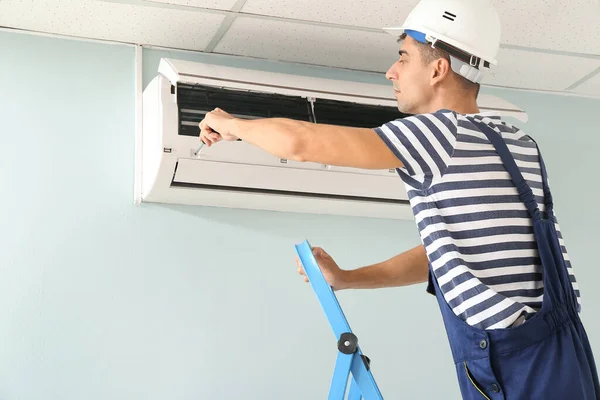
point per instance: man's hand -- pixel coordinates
(333, 274)
(217, 125)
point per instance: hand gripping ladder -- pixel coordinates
(349, 356)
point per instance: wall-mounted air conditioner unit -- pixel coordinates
(238, 175)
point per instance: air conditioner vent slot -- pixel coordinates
(342, 113)
(238, 189)
(194, 101)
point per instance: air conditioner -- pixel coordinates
(238, 175)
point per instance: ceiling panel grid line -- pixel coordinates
(583, 80)
(590, 87)
(225, 26)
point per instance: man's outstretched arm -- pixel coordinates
(408, 268)
(303, 141)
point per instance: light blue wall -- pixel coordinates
(103, 299)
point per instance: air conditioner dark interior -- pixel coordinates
(194, 101)
(334, 112)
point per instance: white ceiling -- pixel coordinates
(323, 45)
(551, 45)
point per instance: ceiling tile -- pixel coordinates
(539, 71)
(551, 24)
(113, 21)
(215, 4)
(376, 14)
(591, 87)
(278, 40)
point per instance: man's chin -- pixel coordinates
(404, 109)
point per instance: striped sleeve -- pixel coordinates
(424, 143)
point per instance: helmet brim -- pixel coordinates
(419, 36)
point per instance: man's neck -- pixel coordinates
(461, 103)
(461, 107)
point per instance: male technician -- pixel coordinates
(492, 253)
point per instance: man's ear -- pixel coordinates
(441, 70)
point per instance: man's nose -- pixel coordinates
(390, 74)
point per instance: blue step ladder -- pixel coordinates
(350, 359)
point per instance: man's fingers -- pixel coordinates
(319, 252)
(205, 130)
(207, 135)
(203, 126)
(206, 140)
(301, 270)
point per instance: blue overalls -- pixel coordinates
(547, 357)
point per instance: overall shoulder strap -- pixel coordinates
(547, 194)
(525, 192)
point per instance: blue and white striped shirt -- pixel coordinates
(476, 231)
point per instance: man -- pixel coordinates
(492, 250)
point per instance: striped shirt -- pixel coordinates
(475, 229)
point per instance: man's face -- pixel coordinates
(410, 78)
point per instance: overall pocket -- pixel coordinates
(478, 380)
(475, 385)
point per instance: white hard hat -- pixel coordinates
(469, 30)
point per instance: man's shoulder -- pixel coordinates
(508, 130)
(443, 118)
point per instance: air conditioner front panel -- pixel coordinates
(245, 153)
(294, 181)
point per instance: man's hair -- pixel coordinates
(430, 54)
